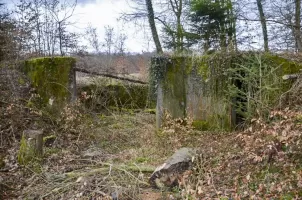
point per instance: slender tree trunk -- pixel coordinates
(298, 25)
(153, 27)
(179, 27)
(223, 24)
(38, 25)
(177, 6)
(60, 38)
(179, 35)
(159, 50)
(263, 24)
(231, 29)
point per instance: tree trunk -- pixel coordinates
(179, 27)
(232, 39)
(38, 26)
(177, 6)
(298, 25)
(263, 24)
(153, 27)
(159, 50)
(60, 39)
(223, 24)
(179, 35)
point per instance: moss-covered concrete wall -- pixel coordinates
(53, 78)
(174, 87)
(199, 86)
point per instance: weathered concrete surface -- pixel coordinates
(185, 88)
(53, 78)
(35, 141)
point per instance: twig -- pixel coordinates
(212, 180)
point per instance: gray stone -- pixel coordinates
(167, 174)
(94, 152)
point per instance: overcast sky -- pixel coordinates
(100, 13)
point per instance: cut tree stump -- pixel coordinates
(167, 174)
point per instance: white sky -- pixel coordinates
(100, 13)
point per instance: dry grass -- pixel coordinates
(97, 156)
(117, 154)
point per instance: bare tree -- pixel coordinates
(43, 26)
(177, 8)
(93, 38)
(8, 33)
(62, 12)
(282, 20)
(120, 44)
(109, 39)
(153, 26)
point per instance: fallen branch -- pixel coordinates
(107, 167)
(290, 76)
(103, 170)
(110, 76)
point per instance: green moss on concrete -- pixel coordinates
(26, 153)
(214, 75)
(150, 111)
(287, 66)
(21, 81)
(174, 86)
(118, 96)
(201, 125)
(202, 65)
(50, 76)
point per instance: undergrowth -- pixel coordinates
(92, 155)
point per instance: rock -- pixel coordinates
(167, 174)
(92, 153)
(114, 196)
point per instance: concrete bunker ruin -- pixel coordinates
(217, 90)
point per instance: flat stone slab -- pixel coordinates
(167, 174)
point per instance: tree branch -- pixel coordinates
(110, 76)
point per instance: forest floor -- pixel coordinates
(118, 154)
(95, 156)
